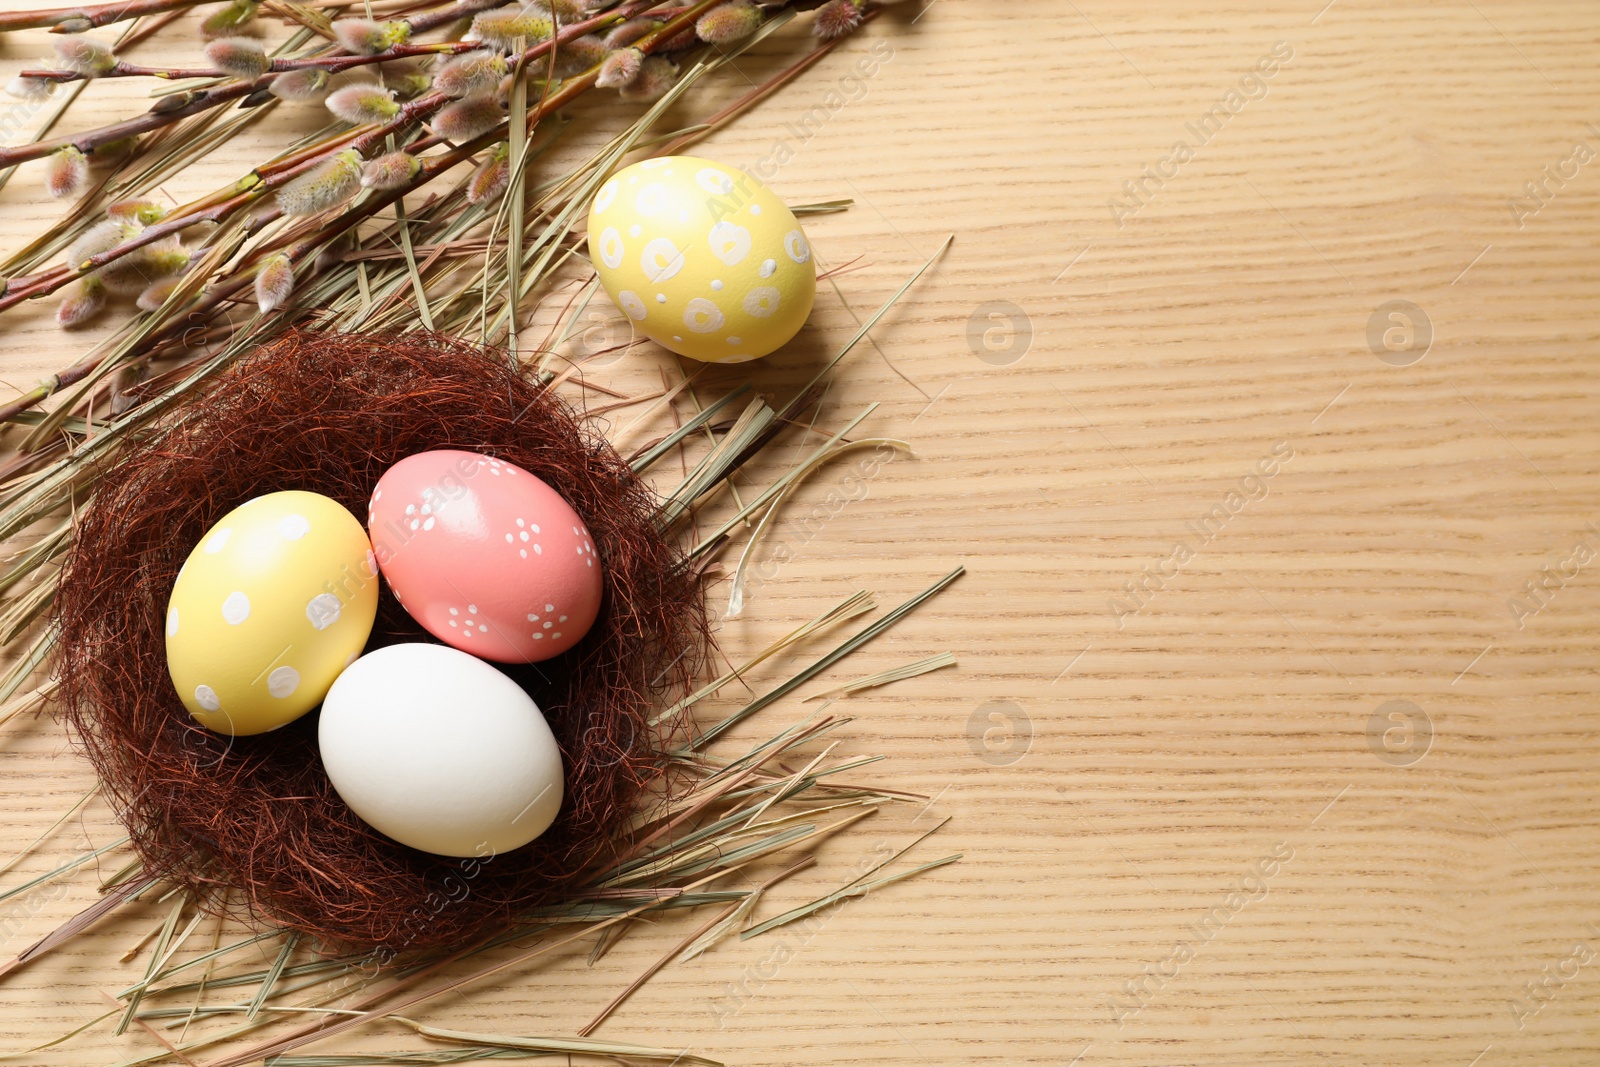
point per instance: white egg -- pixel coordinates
(438, 750)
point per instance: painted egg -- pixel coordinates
(439, 751)
(276, 599)
(704, 259)
(488, 558)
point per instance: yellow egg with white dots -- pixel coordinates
(704, 259)
(274, 602)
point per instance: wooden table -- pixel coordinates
(1256, 389)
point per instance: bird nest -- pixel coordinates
(252, 823)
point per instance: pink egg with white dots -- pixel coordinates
(487, 557)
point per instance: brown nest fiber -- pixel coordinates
(254, 820)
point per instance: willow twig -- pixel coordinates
(78, 19)
(259, 182)
(332, 63)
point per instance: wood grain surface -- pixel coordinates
(1259, 749)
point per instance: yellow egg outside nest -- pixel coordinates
(704, 259)
(273, 603)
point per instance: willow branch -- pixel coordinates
(333, 64)
(268, 177)
(165, 112)
(180, 106)
(78, 19)
(448, 13)
(218, 207)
